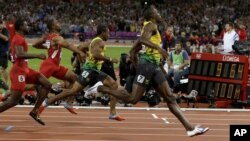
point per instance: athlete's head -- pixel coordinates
(10, 18)
(151, 13)
(21, 26)
(54, 25)
(103, 32)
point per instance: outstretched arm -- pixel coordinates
(84, 47)
(62, 42)
(39, 44)
(24, 55)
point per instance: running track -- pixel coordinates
(92, 125)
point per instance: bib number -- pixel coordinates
(85, 74)
(47, 44)
(140, 78)
(21, 78)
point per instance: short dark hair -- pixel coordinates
(231, 24)
(18, 24)
(148, 12)
(101, 28)
(50, 23)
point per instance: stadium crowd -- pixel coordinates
(202, 16)
(195, 23)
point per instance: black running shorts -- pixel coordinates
(148, 74)
(90, 77)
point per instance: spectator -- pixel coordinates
(230, 36)
(4, 47)
(242, 33)
(168, 39)
(178, 66)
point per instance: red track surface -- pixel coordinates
(93, 125)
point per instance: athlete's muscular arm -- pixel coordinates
(84, 47)
(62, 42)
(148, 31)
(24, 55)
(39, 43)
(96, 51)
(133, 52)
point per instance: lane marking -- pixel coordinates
(155, 116)
(17, 139)
(121, 128)
(144, 108)
(165, 120)
(117, 134)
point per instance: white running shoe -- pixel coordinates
(45, 102)
(197, 131)
(91, 92)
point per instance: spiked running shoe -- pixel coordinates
(36, 117)
(197, 131)
(70, 109)
(116, 117)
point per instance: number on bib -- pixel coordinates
(47, 43)
(140, 78)
(85, 74)
(21, 78)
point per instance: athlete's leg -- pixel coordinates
(77, 87)
(45, 89)
(109, 82)
(162, 87)
(140, 84)
(11, 101)
(165, 92)
(70, 77)
(122, 94)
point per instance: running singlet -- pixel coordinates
(18, 40)
(54, 53)
(152, 55)
(91, 62)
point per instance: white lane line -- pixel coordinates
(165, 120)
(116, 134)
(59, 121)
(17, 139)
(10, 117)
(155, 116)
(145, 108)
(120, 128)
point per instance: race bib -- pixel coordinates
(21, 78)
(140, 78)
(85, 74)
(47, 44)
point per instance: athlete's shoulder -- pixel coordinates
(18, 38)
(97, 41)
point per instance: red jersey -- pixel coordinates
(11, 29)
(54, 53)
(19, 40)
(242, 34)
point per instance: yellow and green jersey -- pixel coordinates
(152, 55)
(91, 62)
